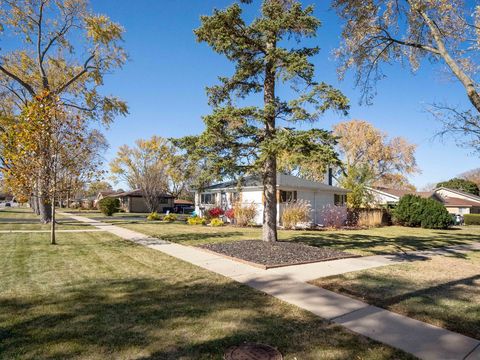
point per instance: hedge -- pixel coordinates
(472, 219)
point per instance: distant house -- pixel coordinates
(455, 201)
(133, 201)
(289, 189)
(103, 194)
(183, 206)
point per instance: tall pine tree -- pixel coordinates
(266, 53)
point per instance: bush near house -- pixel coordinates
(415, 211)
(153, 216)
(244, 214)
(170, 217)
(109, 206)
(295, 213)
(230, 214)
(472, 219)
(215, 212)
(196, 220)
(216, 222)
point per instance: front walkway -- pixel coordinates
(288, 284)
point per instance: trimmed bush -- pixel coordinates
(170, 217)
(472, 219)
(153, 216)
(109, 206)
(216, 222)
(415, 211)
(295, 213)
(196, 220)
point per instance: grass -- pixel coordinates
(24, 219)
(383, 240)
(94, 296)
(444, 291)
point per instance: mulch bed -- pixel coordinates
(270, 255)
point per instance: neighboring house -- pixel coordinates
(133, 201)
(289, 189)
(103, 194)
(183, 206)
(455, 201)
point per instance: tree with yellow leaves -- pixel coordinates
(372, 159)
(64, 49)
(42, 146)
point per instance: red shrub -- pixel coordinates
(215, 212)
(230, 214)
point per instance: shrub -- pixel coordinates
(230, 214)
(153, 216)
(244, 214)
(435, 216)
(472, 219)
(196, 220)
(109, 206)
(170, 217)
(295, 213)
(216, 222)
(413, 211)
(215, 212)
(333, 216)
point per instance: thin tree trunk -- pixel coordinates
(269, 232)
(52, 229)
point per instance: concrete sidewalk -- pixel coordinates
(288, 284)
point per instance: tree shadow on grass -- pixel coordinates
(159, 319)
(449, 304)
(381, 244)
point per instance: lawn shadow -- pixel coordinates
(450, 305)
(155, 318)
(376, 244)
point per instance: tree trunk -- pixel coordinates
(45, 209)
(270, 202)
(269, 232)
(52, 229)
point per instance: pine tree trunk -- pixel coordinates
(269, 232)
(270, 202)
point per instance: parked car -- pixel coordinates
(458, 219)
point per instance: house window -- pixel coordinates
(207, 199)
(339, 199)
(288, 196)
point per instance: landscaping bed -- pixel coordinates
(270, 255)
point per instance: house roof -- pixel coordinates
(136, 193)
(108, 193)
(453, 201)
(446, 200)
(182, 202)
(283, 180)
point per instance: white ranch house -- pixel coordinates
(289, 188)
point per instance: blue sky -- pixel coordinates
(164, 83)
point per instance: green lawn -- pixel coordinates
(444, 291)
(383, 240)
(25, 219)
(94, 296)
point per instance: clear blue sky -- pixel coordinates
(164, 83)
